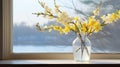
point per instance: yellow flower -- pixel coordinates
(77, 21)
(94, 25)
(57, 6)
(84, 30)
(118, 13)
(50, 30)
(73, 27)
(77, 18)
(47, 9)
(97, 27)
(85, 24)
(110, 18)
(107, 19)
(91, 21)
(84, 27)
(103, 18)
(79, 24)
(42, 4)
(96, 12)
(67, 29)
(63, 18)
(58, 28)
(114, 17)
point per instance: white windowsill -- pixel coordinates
(99, 61)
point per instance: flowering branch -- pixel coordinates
(76, 24)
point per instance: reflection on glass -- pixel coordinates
(26, 39)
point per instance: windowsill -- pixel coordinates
(100, 61)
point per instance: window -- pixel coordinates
(20, 35)
(26, 39)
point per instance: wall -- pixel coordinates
(1, 29)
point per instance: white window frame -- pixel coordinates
(7, 42)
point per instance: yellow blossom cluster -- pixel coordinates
(110, 18)
(118, 13)
(62, 30)
(48, 11)
(97, 10)
(91, 26)
(64, 18)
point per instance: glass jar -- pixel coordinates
(82, 49)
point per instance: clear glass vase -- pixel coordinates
(82, 49)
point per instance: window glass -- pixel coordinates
(26, 39)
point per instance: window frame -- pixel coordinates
(7, 42)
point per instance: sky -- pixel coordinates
(22, 12)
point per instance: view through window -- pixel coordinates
(26, 39)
